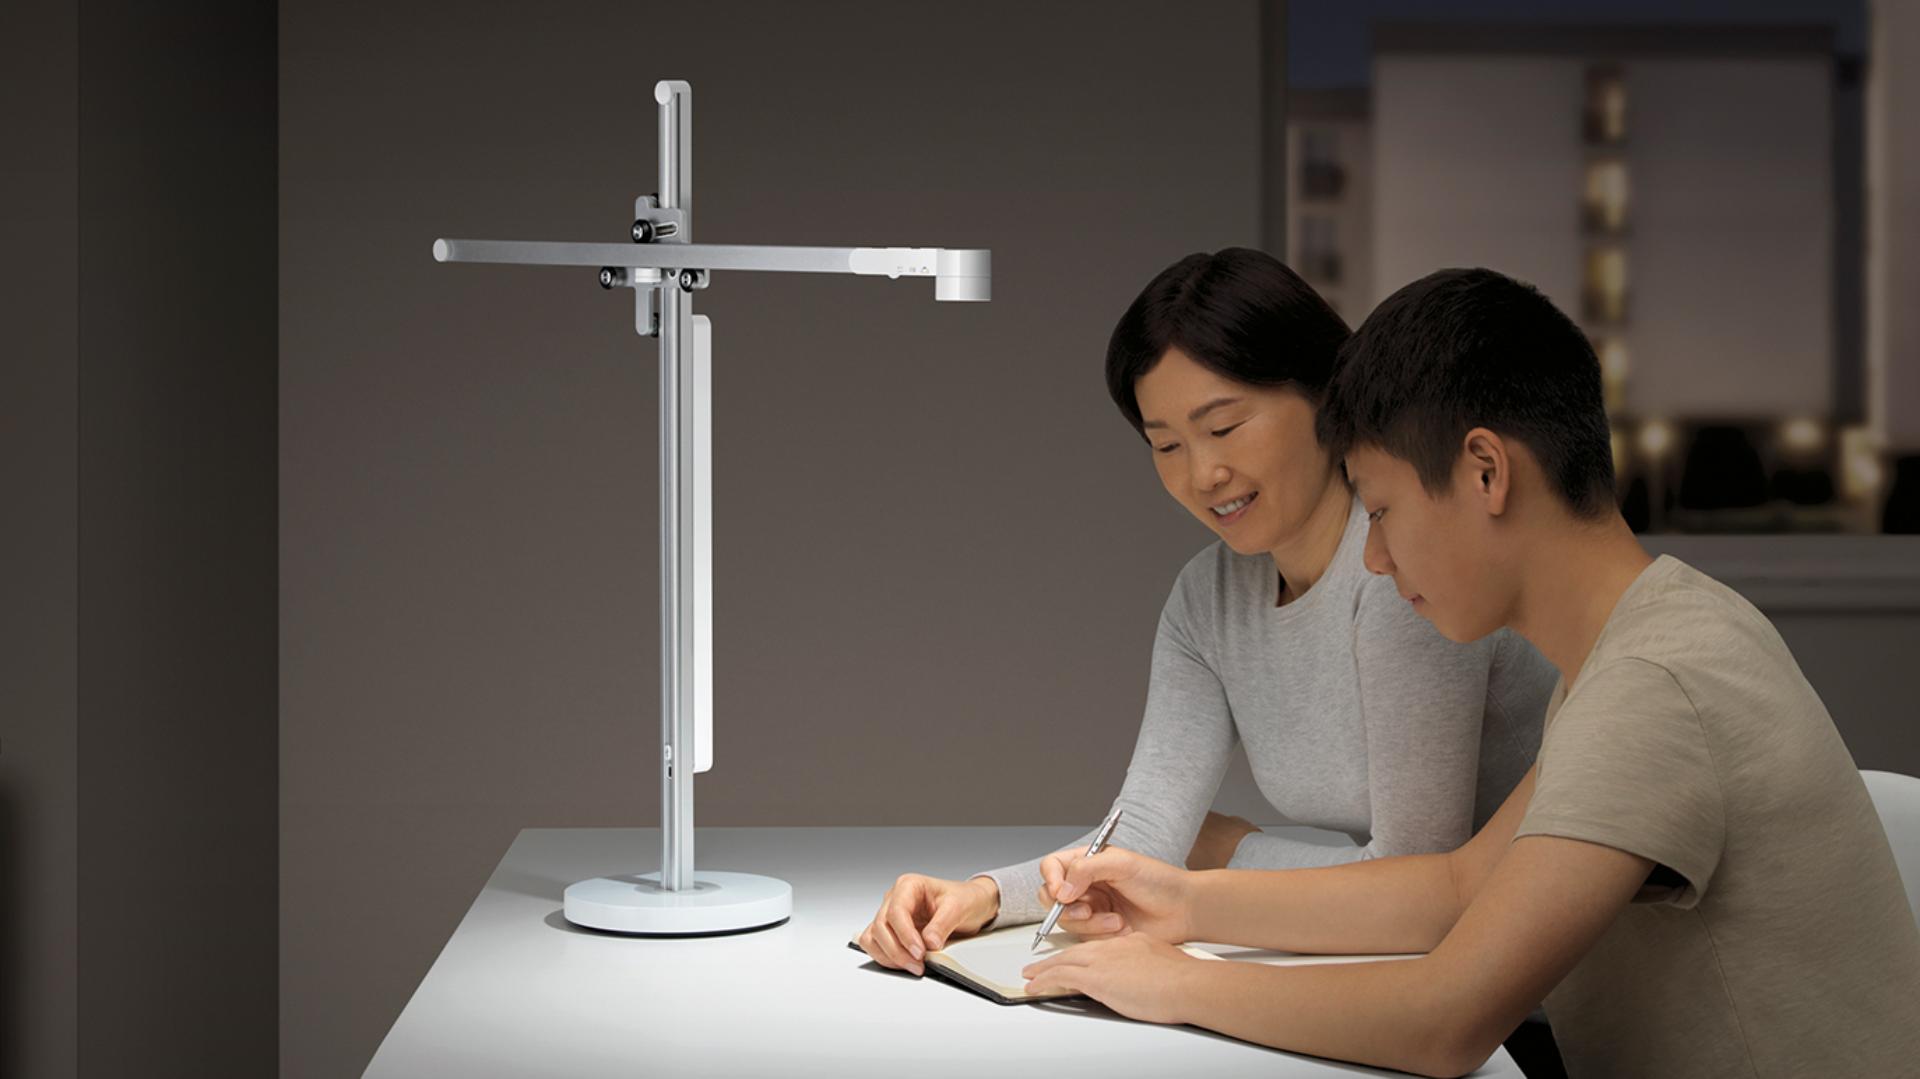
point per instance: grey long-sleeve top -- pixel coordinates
(1357, 716)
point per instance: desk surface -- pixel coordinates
(517, 991)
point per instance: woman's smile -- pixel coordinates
(1225, 513)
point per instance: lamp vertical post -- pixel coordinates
(677, 445)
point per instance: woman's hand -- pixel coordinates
(920, 913)
(1135, 975)
(1219, 837)
(1118, 891)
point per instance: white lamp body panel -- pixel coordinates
(702, 543)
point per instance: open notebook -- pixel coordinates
(990, 964)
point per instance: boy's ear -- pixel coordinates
(1490, 469)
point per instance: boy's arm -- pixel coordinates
(1386, 905)
(1503, 920)
(1543, 906)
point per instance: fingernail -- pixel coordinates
(1066, 891)
(1079, 910)
(915, 949)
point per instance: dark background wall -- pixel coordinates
(138, 819)
(39, 366)
(178, 617)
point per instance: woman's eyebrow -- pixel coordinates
(1218, 402)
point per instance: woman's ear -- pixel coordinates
(1484, 454)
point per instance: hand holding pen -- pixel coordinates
(1113, 891)
(1100, 837)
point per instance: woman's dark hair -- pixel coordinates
(1467, 348)
(1238, 312)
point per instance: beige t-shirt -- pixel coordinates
(1691, 738)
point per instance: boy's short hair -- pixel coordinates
(1460, 349)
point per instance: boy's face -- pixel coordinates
(1440, 551)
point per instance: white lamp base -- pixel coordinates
(717, 903)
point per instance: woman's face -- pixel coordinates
(1241, 458)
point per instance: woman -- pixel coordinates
(1357, 716)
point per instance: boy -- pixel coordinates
(1692, 876)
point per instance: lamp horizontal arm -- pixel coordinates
(967, 267)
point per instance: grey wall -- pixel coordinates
(936, 539)
(1732, 245)
(39, 293)
(138, 829)
(1441, 126)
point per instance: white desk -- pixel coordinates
(517, 991)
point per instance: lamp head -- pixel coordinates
(966, 274)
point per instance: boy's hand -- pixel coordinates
(1219, 837)
(1118, 891)
(1135, 975)
(920, 913)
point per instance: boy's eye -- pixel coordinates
(1224, 430)
(1168, 448)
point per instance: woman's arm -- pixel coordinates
(1423, 699)
(1186, 740)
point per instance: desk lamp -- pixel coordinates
(665, 268)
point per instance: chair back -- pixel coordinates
(1897, 799)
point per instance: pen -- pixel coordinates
(1099, 840)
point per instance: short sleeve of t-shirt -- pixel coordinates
(1625, 763)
